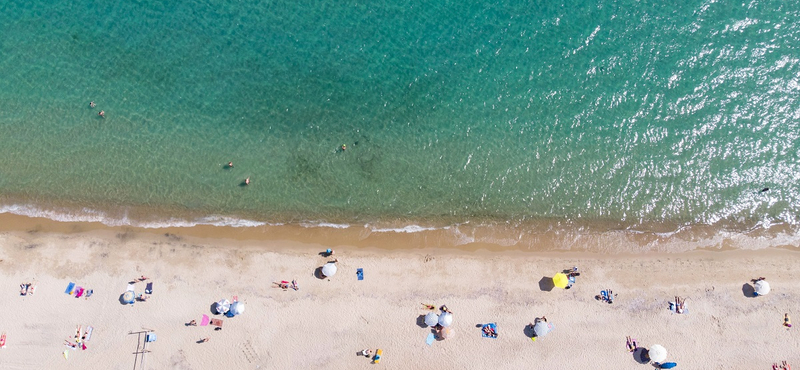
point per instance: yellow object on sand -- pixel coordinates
(66, 354)
(560, 280)
(377, 358)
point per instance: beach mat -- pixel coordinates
(89, 331)
(70, 288)
(430, 339)
(149, 288)
(216, 322)
(493, 326)
(360, 273)
(204, 321)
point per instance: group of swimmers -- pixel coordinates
(102, 113)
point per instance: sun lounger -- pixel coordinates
(78, 292)
(88, 334)
(70, 288)
(360, 273)
(149, 288)
(205, 320)
(216, 322)
(493, 328)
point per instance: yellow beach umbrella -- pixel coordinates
(560, 280)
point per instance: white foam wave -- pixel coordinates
(405, 229)
(91, 215)
(324, 224)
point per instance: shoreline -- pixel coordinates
(327, 321)
(558, 237)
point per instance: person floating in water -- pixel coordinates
(92, 104)
(344, 147)
(247, 181)
(230, 164)
(102, 114)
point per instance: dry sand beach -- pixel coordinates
(326, 322)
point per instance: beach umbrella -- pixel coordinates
(446, 319)
(329, 269)
(560, 280)
(223, 306)
(237, 308)
(431, 319)
(542, 328)
(128, 297)
(657, 353)
(761, 287)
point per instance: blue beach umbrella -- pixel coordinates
(128, 297)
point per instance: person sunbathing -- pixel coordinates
(429, 306)
(786, 366)
(295, 286)
(23, 289)
(192, 323)
(630, 343)
(283, 285)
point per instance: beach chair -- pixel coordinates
(377, 358)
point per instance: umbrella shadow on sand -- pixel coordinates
(748, 290)
(528, 331)
(318, 273)
(421, 322)
(546, 284)
(640, 355)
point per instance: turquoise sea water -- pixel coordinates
(623, 111)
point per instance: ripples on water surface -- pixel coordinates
(622, 113)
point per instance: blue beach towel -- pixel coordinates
(491, 325)
(360, 273)
(149, 288)
(70, 288)
(430, 339)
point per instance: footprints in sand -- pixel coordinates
(249, 353)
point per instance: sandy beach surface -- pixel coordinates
(326, 322)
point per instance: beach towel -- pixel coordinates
(131, 287)
(88, 334)
(216, 322)
(149, 288)
(360, 273)
(205, 320)
(377, 358)
(70, 288)
(430, 339)
(78, 292)
(492, 326)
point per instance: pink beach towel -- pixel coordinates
(205, 320)
(79, 292)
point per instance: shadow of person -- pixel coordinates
(421, 321)
(243, 183)
(546, 284)
(748, 290)
(640, 355)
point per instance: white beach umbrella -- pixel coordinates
(541, 328)
(329, 269)
(761, 287)
(446, 333)
(223, 306)
(657, 353)
(237, 308)
(446, 319)
(431, 319)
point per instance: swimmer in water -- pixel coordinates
(247, 181)
(344, 147)
(102, 114)
(92, 104)
(230, 164)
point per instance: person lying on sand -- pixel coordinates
(192, 323)
(444, 309)
(283, 285)
(787, 322)
(630, 343)
(295, 286)
(206, 339)
(429, 307)
(365, 352)
(23, 289)
(759, 279)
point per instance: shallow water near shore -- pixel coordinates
(611, 115)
